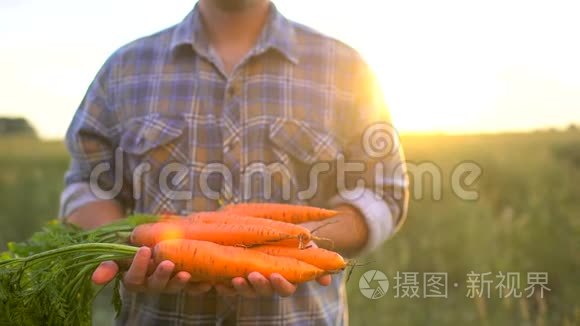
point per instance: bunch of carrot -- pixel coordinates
(240, 239)
(47, 279)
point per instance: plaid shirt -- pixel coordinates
(169, 131)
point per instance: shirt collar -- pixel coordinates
(278, 34)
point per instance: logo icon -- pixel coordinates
(373, 284)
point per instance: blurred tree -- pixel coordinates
(16, 127)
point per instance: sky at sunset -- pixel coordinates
(445, 66)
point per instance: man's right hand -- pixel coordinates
(143, 276)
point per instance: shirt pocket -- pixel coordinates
(300, 146)
(156, 137)
(155, 162)
(303, 141)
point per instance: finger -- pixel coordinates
(324, 280)
(135, 276)
(260, 284)
(198, 288)
(178, 282)
(281, 286)
(225, 290)
(160, 278)
(243, 287)
(105, 273)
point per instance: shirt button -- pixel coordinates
(234, 89)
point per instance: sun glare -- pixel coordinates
(449, 66)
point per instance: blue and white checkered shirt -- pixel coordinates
(177, 134)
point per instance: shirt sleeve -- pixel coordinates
(380, 191)
(90, 140)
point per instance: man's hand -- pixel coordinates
(143, 276)
(257, 285)
(347, 231)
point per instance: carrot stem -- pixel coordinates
(327, 240)
(105, 248)
(321, 226)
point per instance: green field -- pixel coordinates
(527, 219)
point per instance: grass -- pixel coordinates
(525, 220)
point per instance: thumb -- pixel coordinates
(105, 273)
(324, 280)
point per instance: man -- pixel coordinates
(235, 103)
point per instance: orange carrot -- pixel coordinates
(281, 212)
(226, 234)
(207, 261)
(321, 258)
(303, 235)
